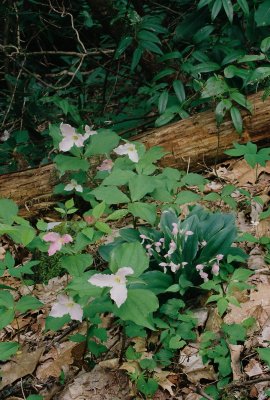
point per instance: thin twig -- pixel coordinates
(237, 384)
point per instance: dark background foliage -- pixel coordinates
(124, 64)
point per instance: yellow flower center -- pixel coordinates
(117, 279)
(75, 137)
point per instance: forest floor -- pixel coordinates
(51, 365)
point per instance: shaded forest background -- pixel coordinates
(125, 65)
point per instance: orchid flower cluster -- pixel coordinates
(214, 265)
(167, 252)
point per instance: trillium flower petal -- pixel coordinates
(54, 247)
(79, 188)
(119, 294)
(121, 150)
(66, 144)
(102, 280)
(122, 272)
(58, 310)
(69, 187)
(67, 130)
(133, 156)
(51, 237)
(76, 312)
(66, 239)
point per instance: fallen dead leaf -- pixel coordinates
(55, 360)
(193, 366)
(131, 366)
(235, 351)
(163, 380)
(253, 368)
(21, 365)
(256, 259)
(139, 344)
(97, 385)
(112, 364)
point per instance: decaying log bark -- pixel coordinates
(194, 142)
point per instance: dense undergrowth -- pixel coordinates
(126, 65)
(165, 262)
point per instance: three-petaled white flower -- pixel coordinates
(57, 241)
(73, 185)
(89, 131)
(117, 282)
(71, 137)
(128, 149)
(66, 305)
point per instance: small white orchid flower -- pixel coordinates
(215, 269)
(128, 149)
(219, 257)
(199, 267)
(89, 131)
(70, 138)
(66, 305)
(117, 282)
(204, 276)
(164, 266)
(172, 248)
(174, 267)
(73, 185)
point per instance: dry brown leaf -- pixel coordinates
(163, 380)
(256, 259)
(263, 228)
(193, 366)
(214, 321)
(235, 351)
(258, 306)
(139, 344)
(113, 363)
(20, 365)
(253, 368)
(98, 384)
(201, 315)
(55, 360)
(131, 366)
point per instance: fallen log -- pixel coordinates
(193, 143)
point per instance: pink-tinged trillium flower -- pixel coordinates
(204, 276)
(66, 305)
(57, 241)
(70, 138)
(117, 282)
(89, 131)
(106, 165)
(128, 149)
(215, 269)
(73, 185)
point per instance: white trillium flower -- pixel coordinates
(73, 185)
(66, 305)
(128, 149)
(117, 282)
(89, 131)
(71, 138)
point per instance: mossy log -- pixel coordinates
(194, 143)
